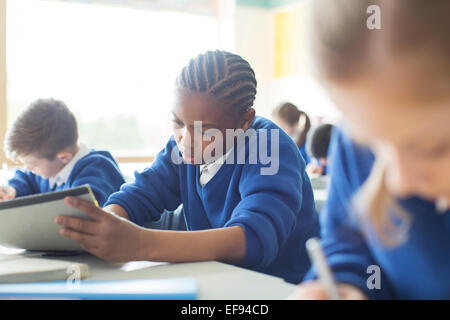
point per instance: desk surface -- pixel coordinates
(216, 280)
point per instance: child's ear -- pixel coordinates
(248, 119)
(64, 156)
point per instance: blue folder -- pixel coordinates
(158, 289)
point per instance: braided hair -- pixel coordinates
(222, 74)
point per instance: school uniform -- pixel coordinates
(304, 154)
(323, 166)
(276, 211)
(96, 168)
(418, 268)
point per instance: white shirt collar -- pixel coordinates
(64, 173)
(208, 170)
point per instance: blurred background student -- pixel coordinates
(45, 140)
(317, 147)
(295, 123)
(386, 226)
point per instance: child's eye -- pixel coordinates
(439, 151)
(433, 153)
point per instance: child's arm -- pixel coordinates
(102, 175)
(24, 183)
(344, 245)
(221, 244)
(154, 190)
(112, 237)
(224, 244)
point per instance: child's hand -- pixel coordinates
(313, 290)
(108, 236)
(314, 169)
(7, 193)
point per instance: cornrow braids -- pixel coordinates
(222, 74)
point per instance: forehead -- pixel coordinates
(200, 106)
(32, 159)
(28, 158)
(383, 111)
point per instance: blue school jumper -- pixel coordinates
(98, 169)
(276, 211)
(303, 152)
(416, 269)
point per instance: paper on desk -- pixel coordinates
(30, 269)
(139, 265)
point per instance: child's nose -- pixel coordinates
(186, 139)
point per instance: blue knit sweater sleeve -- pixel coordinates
(343, 242)
(25, 183)
(155, 189)
(269, 205)
(100, 172)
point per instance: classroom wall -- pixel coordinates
(253, 42)
(2, 78)
(273, 36)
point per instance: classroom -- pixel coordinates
(224, 150)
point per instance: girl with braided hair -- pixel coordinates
(235, 211)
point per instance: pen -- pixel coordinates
(317, 257)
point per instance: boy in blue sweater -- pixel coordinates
(45, 139)
(242, 204)
(386, 227)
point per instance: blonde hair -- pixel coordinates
(373, 203)
(343, 45)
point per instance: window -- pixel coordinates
(114, 66)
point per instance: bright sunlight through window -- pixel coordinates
(114, 67)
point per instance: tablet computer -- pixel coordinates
(28, 222)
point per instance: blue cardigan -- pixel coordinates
(276, 211)
(304, 154)
(98, 169)
(416, 269)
